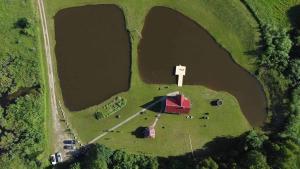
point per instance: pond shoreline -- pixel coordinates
(220, 72)
(93, 59)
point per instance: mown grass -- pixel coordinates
(226, 120)
(228, 22)
(280, 13)
(173, 131)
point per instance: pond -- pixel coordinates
(92, 53)
(169, 38)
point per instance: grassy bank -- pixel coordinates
(229, 23)
(280, 13)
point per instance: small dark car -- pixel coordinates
(69, 147)
(69, 142)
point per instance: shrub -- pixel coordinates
(277, 47)
(23, 23)
(98, 115)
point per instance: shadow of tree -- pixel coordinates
(139, 132)
(259, 47)
(221, 147)
(294, 16)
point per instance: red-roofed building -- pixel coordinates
(177, 104)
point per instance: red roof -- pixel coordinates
(177, 104)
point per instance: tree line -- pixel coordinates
(96, 156)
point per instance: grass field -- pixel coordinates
(281, 13)
(229, 23)
(223, 121)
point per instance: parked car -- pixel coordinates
(69, 142)
(69, 147)
(58, 157)
(53, 159)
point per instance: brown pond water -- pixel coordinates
(92, 53)
(170, 38)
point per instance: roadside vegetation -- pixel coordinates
(22, 98)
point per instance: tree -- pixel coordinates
(75, 165)
(97, 157)
(292, 128)
(1, 111)
(277, 48)
(11, 162)
(207, 163)
(145, 162)
(294, 72)
(254, 160)
(286, 156)
(21, 125)
(122, 160)
(254, 140)
(23, 23)
(101, 157)
(22, 116)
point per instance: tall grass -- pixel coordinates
(283, 13)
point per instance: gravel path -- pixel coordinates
(58, 128)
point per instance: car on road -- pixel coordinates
(58, 157)
(69, 142)
(69, 147)
(53, 159)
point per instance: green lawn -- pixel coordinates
(173, 139)
(277, 12)
(230, 24)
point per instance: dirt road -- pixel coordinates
(58, 129)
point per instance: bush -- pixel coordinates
(277, 47)
(207, 163)
(98, 115)
(23, 23)
(294, 72)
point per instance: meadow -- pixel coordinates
(280, 13)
